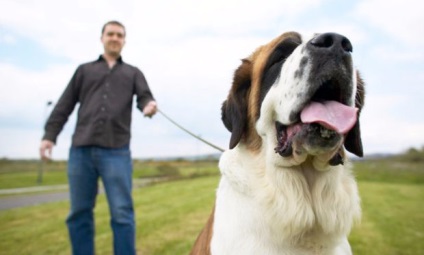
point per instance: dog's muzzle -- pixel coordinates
(325, 116)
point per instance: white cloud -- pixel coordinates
(55, 25)
(398, 54)
(188, 51)
(26, 92)
(401, 19)
(382, 131)
(7, 38)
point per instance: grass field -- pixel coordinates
(25, 173)
(392, 221)
(170, 215)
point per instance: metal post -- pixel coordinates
(40, 172)
(41, 168)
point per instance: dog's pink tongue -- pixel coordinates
(331, 114)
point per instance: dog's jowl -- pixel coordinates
(286, 186)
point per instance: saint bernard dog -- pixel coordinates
(286, 185)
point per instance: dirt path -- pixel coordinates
(33, 199)
(25, 196)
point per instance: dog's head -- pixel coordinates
(297, 98)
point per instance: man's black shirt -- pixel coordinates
(105, 99)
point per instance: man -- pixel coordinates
(104, 90)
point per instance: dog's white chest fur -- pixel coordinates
(267, 211)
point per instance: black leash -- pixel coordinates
(190, 133)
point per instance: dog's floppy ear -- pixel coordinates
(234, 109)
(353, 141)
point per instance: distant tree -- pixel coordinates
(168, 170)
(414, 155)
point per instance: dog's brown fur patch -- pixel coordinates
(202, 245)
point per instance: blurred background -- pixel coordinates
(188, 51)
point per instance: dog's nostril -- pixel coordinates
(346, 45)
(332, 41)
(323, 41)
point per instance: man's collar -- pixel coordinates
(118, 60)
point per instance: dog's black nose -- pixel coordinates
(332, 42)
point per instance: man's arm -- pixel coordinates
(145, 100)
(59, 116)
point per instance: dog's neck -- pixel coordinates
(314, 196)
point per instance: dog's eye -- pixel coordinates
(282, 51)
(274, 64)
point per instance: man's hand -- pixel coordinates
(150, 109)
(46, 149)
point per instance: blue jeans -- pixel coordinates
(114, 166)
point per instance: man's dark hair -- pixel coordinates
(113, 22)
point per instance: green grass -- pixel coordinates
(170, 215)
(393, 220)
(25, 173)
(390, 171)
(18, 174)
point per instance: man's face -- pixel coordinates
(113, 39)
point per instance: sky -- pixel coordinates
(188, 51)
